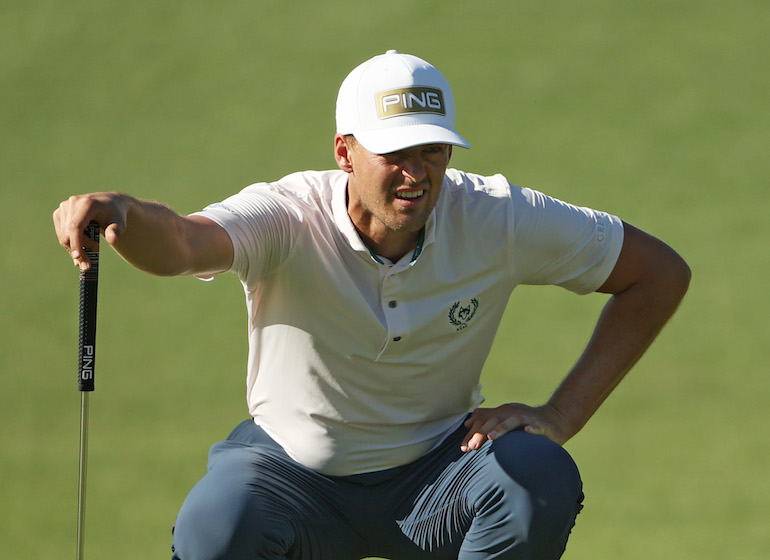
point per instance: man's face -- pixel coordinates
(394, 192)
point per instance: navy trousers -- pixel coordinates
(514, 498)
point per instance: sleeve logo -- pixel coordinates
(461, 312)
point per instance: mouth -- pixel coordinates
(410, 195)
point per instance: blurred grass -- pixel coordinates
(655, 111)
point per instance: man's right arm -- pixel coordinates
(149, 235)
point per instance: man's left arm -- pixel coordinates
(646, 285)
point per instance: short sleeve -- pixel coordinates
(561, 244)
(262, 224)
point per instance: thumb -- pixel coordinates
(534, 429)
(112, 233)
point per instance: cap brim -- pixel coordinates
(401, 137)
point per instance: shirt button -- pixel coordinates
(396, 339)
(392, 303)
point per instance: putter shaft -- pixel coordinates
(82, 470)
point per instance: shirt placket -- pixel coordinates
(395, 313)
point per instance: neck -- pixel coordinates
(379, 239)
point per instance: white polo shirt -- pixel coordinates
(357, 366)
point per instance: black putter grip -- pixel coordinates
(89, 284)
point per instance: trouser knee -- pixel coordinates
(543, 491)
(538, 464)
(223, 517)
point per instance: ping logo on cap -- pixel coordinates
(410, 100)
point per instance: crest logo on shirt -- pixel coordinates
(461, 312)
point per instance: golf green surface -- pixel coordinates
(655, 111)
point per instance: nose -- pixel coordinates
(413, 169)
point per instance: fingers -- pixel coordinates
(70, 231)
(492, 423)
(484, 424)
(473, 440)
(73, 216)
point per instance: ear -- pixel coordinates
(342, 153)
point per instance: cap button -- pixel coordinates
(391, 51)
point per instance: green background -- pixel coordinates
(656, 111)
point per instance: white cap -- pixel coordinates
(395, 101)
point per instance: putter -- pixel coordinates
(89, 283)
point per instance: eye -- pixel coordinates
(435, 153)
(393, 157)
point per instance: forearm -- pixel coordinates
(154, 239)
(628, 324)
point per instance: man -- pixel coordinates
(374, 293)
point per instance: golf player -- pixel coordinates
(374, 292)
